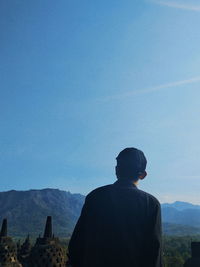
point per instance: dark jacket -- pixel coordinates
(119, 226)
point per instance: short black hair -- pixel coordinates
(131, 162)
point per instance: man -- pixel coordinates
(120, 225)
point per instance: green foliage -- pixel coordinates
(177, 249)
(176, 261)
(180, 230)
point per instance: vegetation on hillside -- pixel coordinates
(26, 211)
(177, 249)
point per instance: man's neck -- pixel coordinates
(128, 181)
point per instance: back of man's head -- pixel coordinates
(131, 163)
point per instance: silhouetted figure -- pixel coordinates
(195, 260)
(120, 225)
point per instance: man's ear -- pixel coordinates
(143, 175)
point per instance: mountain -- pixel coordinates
(182, 213)
(180, 205)
(26, 211)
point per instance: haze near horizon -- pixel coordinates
(80, 81)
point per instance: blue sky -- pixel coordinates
(81, 80)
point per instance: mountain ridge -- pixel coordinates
(182, 213)
(181, 205)
(26, 211)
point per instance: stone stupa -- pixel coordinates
(8, 250)
(47, 251)
(24, 252)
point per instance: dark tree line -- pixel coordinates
(176, 249)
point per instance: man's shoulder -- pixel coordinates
(99, 191)
(150, 197)
(103, 190)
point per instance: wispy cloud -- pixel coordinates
(156, 88)
(176, 4)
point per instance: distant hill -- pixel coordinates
(182, 213)
(180, 205)
(26, 211)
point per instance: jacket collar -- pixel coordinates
(125, 183)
